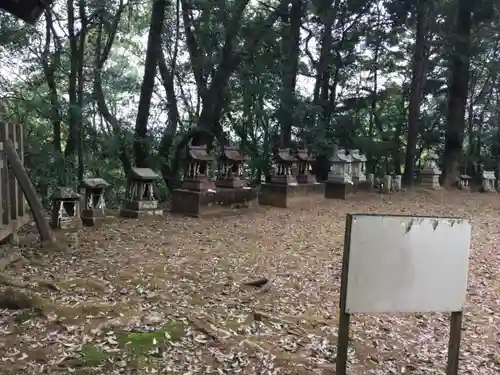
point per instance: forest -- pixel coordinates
(101, 87)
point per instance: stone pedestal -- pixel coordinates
(218, 202)
(93, 217)
(429, 178)
(306, 178)
(338, 190)
(386, 185)
(136, 209)
(288, 195)
(397, 183)
(232, 183)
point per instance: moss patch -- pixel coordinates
(91, 356)
(142, 343)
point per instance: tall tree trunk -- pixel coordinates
(72, 87)
(152, 54)
(291, 46)
(458, 88)
(80, 89)
(420, 57)
(167, 76)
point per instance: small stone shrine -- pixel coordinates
(231, 169)
(197, 168)
(198, 197)
(141, 200)
(285, 161)
(95, 205)
(339, 183)
(429, 174)
(65, 209)
(488, 181)
(358, 165)
(464, 182)
(284, 190)
(304, 161)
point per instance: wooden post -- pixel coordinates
(344, 316)
(12, 180)
(5, 177)
(22, 210)
(454, 343)
(3, 163)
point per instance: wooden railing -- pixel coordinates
(13, 207)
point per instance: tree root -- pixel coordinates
(293, 328)
(7, 281)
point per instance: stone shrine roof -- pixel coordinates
(341, 157)
(94, 183)
(284, 155)
(303, 154)
(143, 174)
(233, 154)
(198, 153)
(27, 10)
(357, 156)
(65, 193)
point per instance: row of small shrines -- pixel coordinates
(200, 195)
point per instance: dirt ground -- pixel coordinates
(168, 296)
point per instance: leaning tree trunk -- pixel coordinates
(152, 54)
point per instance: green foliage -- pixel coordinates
(368, 74)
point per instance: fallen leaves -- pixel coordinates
(254, 294)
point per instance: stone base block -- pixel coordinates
(92, 218)
(222, 202)
(285, 196)
(362, 185)
(306, 178)
(338, 190)
(133, 214)
(136, 209)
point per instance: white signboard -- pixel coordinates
(407, 264)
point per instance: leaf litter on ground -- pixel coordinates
(251, 294)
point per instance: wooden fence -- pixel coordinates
(13, 207)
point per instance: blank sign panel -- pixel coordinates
(407, 264)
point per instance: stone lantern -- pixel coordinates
(94, 210)
(489, 181)
(141, 199)
(340, 170)
(65, 209)
(429, 174)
